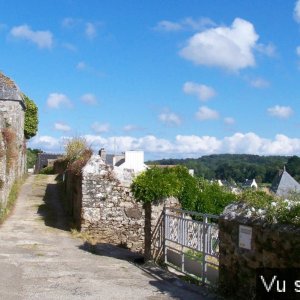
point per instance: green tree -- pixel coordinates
(31, 118)
(293, 167)
(32, 156)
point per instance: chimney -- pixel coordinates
(102, 154)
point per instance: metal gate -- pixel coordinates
(191, 243)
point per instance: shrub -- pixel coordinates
(47, 170)
(212, 198)
(75, 148)
(77, 165)
(77, 154)
(155, 184)
(256, 199)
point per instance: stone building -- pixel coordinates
(45, 160)
(12, 141)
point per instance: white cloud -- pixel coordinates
(202, 91)
(282, 112)
(90, 30)
(131, 127)
(43, 39)
(259, 83)
(70, 47)
(185, 24)
(297, 11)
(182, 145)
(226, 47)
(205, 113)
(269, 49)
(45, 143)
(55, 100)
(62, 127)
(168, 26)
(229, 121)
(69, 22)
(100, 128)
(89, 99)
(170, 118)
(81, 66)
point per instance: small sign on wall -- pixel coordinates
(245, 237)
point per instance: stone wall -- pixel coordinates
(108, 209)
(272, 246)
(104, 206)
(13, 157)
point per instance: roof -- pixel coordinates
(9, 90)
(249, 182)
(284, 183)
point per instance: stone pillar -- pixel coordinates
(248, 243)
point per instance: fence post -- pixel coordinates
(165, 234)
(204, 266)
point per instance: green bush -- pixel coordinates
(213, 198)
(193, 194)
(256, 199)
(155, 184)
(47, 171)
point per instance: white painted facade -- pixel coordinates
(134, 160)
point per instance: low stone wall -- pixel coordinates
(271, 246)
(110, 212)
(103, 205)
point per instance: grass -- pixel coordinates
(12, 197)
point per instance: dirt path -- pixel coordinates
(39, 258)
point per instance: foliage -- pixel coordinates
(77, 153)
(47, 170)
(212, 198)
(238, 167)
(13, 195)
(9, 137)
(32, 156)
(75, 148)
(274, 209)
(193, 194)
(155, 184)
(256, 199)
(31, 118)
(77, 165)
(293, 167)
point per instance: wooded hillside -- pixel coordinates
(238, 167)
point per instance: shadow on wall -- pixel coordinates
(167, 283)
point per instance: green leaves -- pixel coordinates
(155, 184)
(31, 118)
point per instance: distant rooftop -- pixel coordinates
(284, 183)
(9, 90)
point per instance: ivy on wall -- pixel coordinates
(31, 118)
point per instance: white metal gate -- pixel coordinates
(191, 243)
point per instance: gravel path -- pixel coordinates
(40, 259)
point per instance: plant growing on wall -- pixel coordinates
(77, 153)
(31, 118)
(9, 137)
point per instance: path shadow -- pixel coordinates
(165, 281)
(52, 210)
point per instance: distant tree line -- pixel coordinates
(238, 167)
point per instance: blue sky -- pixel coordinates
(172, 78)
